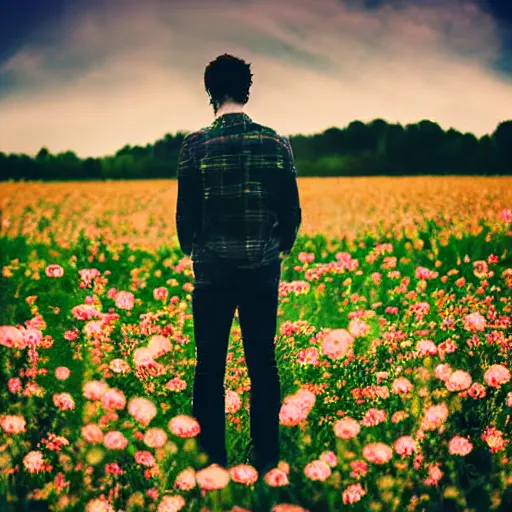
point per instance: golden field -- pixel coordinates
(143, 212)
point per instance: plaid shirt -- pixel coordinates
(237, 192)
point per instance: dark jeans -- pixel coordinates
(219, 288)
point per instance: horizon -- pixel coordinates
(87, 77)
(151, 143)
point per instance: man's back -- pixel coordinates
(246, 190)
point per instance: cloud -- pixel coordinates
(130, 73)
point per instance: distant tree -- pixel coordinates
(91, 169)
(333, 141)
(503, 140)
(357, 137)
(43, 155)
(358, 149)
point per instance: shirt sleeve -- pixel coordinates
(187, 208)
(289, 211)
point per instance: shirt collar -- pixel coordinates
(230, 119)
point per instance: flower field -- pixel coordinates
(394, 347)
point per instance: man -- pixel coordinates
(238, 210)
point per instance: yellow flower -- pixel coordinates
(94, 456)
(451, 492)
(387, 496)
(171, 447)
(189, 445)
(135, 500)
(386, 482)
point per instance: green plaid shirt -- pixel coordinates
(237, 192)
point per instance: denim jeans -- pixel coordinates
(219, 288)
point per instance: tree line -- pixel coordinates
(360, 149)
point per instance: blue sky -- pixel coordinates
(92, 76)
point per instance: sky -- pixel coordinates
(92, 76)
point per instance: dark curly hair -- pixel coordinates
(227, 77)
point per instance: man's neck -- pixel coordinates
(230, 108)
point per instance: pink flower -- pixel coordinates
(153, 493)
(459, 380)
(14, 384)
(337, 344)
(434, 474)
(125, 300)
(119, 365)
(143, 356)
(359, 468)
(54, 271)
(186, 479)
(159, 345)
(62, 372)
(481, 269)
(329, 457)
(420, 309)
(309, 355)
(184, 426)
(317, 470)
(113, 399)
(401, 386)
(144, 458)
(92, 433)
(377, 453)
(353, 493)
(34, 462)
(476, 390)
(171, 503)
(243, 474)
(425, 273)
(86, 312)
(13, 424)
(459, 446)
(346, 428)
(381, 376)
(32, 337)
(435, 416)
(373, 417)
(160, 293)
(213, 477)
(474, 322)
(494, 439)
(286, 507)
(95, 389)
(64, 401)
(88, 274)
(405, 446)
(399, 416)
(233, 402)
(11, 337)
(142, 410)
(426, 348)
(306, 257)
(358, 328)
(296, 408)
(155, 438)
(292, 414)
(508, 400)
(176, 384)
(496, 375)
(443, 371)
(115, 440)
(505, 215)
(276, 478)
(99, 505)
